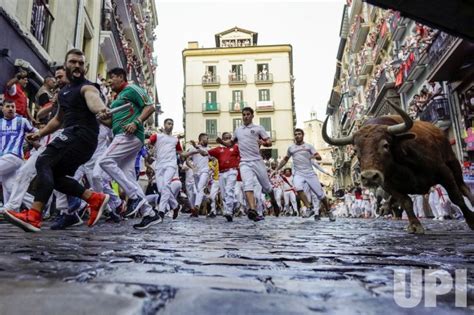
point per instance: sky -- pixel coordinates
(311, 27)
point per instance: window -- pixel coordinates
(264, 95)
(211, 97)
(211, 128)
(237, 96)
(266, 123)
(262, 71)
(211, 70)
(236, 73)
(236, 123)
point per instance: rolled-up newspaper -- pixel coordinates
(118, 109)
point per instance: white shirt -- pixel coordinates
(12, 135)
(247, 138)
(302, 155)
(199, 161)
(166, 150)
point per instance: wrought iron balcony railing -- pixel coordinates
(237, 106)
(211, 107)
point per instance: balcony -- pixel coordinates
(264, 106)
(398, 26)
(381, 43)
(211, 108)
(211, 80)
(367, 62)
(384, 89)
(360, 34)
(237, 106)
(264, 78)
(237, 79)
(445, 56)
(436, 110)
(41, 19)
(416, 67)
(361, 80)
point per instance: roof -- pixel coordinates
(236, 29)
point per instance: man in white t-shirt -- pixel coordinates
(167, 148)
(250, 137)
(302, 153)
(201, 167)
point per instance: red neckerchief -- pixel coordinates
(123, 86)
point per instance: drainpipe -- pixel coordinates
(79, 23)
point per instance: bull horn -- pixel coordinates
(402, 127)
(337, 142)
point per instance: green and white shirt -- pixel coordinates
(139, 98)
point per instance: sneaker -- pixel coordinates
(162, 216)
(64, 221)
(97, 203)
(317, 217)
(310, 213)
(28, 220)
(228, 217)
(176, 212)
(133, 206)
(114, 217)
(148, 221)
(194, 213)
(211, 215)
(259, 218)
(331, 216)
(252, 214)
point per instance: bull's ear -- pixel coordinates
(405, 136)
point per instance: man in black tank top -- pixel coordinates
(79, 102)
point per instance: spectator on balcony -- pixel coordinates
(16, 93)
(45, 93)
(435, 90)
(232, 75)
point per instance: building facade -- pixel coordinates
(238, 73)
(36, 34)
(384, 56)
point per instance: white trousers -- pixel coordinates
(213, 195)
(9, 165)
(200, 182)
(22, 180)
(255, 171)
(278, 195)
(118, 161)
(164, 175)
(227, 183)
(191, 192)
(290, 197)
(312, 181)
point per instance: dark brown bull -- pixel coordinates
(406, 157)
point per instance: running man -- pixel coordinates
(118, 161)
(302, 154)
(79, 102)
(252, 168)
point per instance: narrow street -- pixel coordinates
(207, 266)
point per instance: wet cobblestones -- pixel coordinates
(208, 266)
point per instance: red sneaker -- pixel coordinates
(28, 220)
(97, 203)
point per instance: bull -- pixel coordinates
(407, 157)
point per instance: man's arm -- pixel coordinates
(281, 164)
(316, 156)
(93, 100)
(53, 125)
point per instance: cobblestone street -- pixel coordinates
(207, 266)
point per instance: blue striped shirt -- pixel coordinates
(12, 135)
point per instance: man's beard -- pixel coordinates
(72, 78)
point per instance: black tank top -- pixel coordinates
(76, 112)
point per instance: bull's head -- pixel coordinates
(373, 144)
